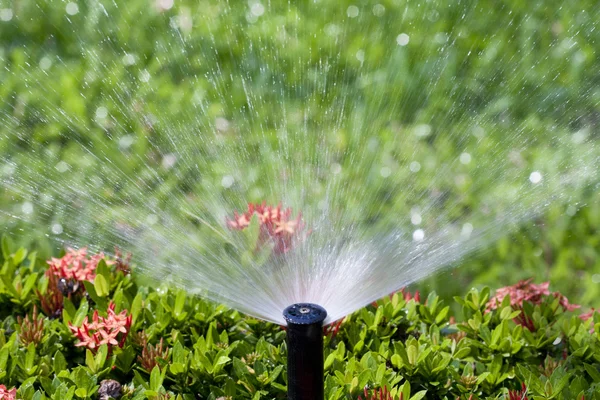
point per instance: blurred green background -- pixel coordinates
(123, 78)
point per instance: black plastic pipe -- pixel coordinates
(305, 351)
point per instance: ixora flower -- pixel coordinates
(381, 394)
(518, 394)
(76, 265)
(276, 224)
(111, 330)
(526, 291)
(31, 330)
(6, 394)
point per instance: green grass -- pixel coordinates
(521, 73)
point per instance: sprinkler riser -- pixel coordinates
(305, 351)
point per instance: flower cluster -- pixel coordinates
(333, 328)
(518, 394)
(51, 300)
(31, 330)
(111, 330)
(276, 224)
(76, 265)
(6, 394)
(151, 354)
(381, 394)
(526, 291)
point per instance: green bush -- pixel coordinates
(524, 75)
(172, 345)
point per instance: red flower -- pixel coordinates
(151, 354)
(276, 225)
(518, 394)
(75, 265)
(407, 295)
(6, 394)
(526, 291)
(31, 330)
(530, 292)
(52, 299)
(587, 315)
(332, 329)
(111, 330)
(381, 394)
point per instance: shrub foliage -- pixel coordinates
(114, 338)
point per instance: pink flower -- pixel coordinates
(276, 225)
(6, 394)
(381, 394)
(587, 315)
(75, 265)
(518, 394)
(526, 291)
(111, 330)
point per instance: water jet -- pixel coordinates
(305, 351)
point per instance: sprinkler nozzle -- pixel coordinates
(305, 351)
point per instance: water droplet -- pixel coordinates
(402, 39)
(571, 210)
(126, 141)
(478, 132)
(416, 219)
(596, 278)
(72, 8)
(360, 55)
(128, 59)
(535, 177)
(101, 112)
(144, 76)
(579, 136)
(352, 11)
(385, 172)
(336, 168)
(422, 130)
(257, 9)
(227, 181)
(27, 208)
(415, 166)
(62, 166)
(164, 5)
(418, 235)
(6, 14)
(151, 219)
(433, 16)
(8, 169)
(440, 38)
(465, 158)
(57, 229)
(169, 160)
(332, 29)
(378, 10)
(45, 63)
(466, 230)
(221, 124)
(537, 252)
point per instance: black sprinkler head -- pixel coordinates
(305, 351)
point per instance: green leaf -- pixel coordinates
(19, 256)
(101, 286)
(592, 372)
(59, 362)
(89, 360)
(419, 395)
(156, 379)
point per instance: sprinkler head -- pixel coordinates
(304, 314)
(305, 351)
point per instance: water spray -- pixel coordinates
(305, 351)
